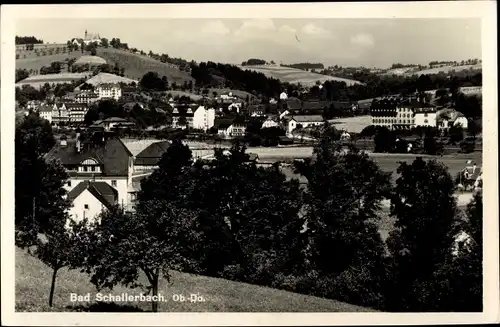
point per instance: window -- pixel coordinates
(86, 206)
(425, 115)
(113, 183)
(69, 183)
(92, 168)
(85, 168)
(425, 121)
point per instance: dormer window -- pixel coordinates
(89, 165)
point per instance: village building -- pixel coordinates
(447, 118)
(425, 117)
(60, 114)
(270, 122)
(304, 121)
(90, 198)
(109, 91)
(86, 97)
(149, 158)
(77, 112)
(230, 127)
(203, 118)
(98, 158)
(45, 112)
(182, 117)
(384, 112)
(112, 123)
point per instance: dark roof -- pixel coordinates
(342, 105)
(115, 120)
(312, 105)
(293, 104)
(112, 154)
(73, 105)
(384, 104)
(223, 123)
(106, 194)
(308, 118)
(151, 155)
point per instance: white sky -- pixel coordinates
(369, 42)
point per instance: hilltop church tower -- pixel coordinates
(85, 34)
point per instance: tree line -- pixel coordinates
(253, 62)
(229, 76)
(27, 40)
(230, 219)
(305, 66)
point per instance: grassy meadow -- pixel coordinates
(220, 295)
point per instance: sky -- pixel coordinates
(347, 42)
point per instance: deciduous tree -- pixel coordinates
(425, 210)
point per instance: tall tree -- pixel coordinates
(344, 193)
(249, 215)
(149, 243)
(425, 209)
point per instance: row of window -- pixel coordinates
(113, 183)
(392, 121)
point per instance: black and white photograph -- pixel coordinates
(262, 159)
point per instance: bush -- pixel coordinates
(467, 146)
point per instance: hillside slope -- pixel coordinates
(293, 75)
(36, 63)
(136, 65)
(33, 285)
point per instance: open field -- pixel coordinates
(38, 62)
(108, 78)
(37, 81)
(136, 65)
(352, 124)
(33, 285)
(387, 162)
(91, 60)
(445, 69)
(292, 75)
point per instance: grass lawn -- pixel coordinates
(33, 286)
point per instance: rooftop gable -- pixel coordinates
(112, 153)
(102, 191)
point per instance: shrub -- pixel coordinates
(467, 146)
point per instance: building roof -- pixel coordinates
(103, 192)
(293, 104)
(115, 120)
(425, 110)
(73, 105)
(308, 118)
(151, 155)
(223, 123)
(108, 85)
(45, 109)
(111, 153)
(386, 103)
